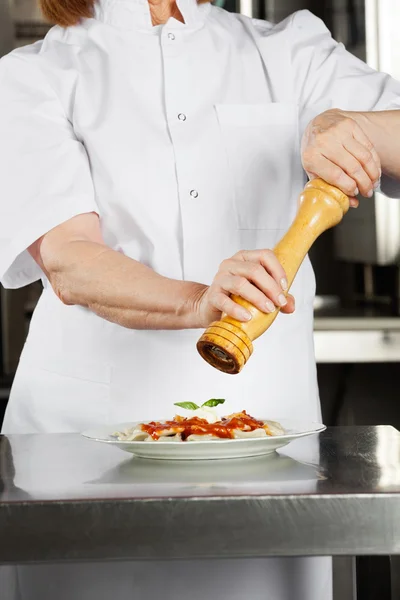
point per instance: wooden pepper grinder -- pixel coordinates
(227, 344)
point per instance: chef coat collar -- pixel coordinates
(135, 14)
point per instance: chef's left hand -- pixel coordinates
(335, 148)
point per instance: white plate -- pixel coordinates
(209, 450)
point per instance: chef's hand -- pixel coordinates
(335, 148)
(256, 276)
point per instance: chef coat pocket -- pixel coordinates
(261, 142)
(62, 393)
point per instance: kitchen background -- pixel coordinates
(357, 317)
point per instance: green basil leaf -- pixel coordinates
(187, 405)
(213, 402)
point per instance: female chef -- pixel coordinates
(151, 154)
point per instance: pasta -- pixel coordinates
(197, 428)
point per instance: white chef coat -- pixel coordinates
(184, 138)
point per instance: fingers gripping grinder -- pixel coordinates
(228, 344)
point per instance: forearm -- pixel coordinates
(383, 130)
(120, 289)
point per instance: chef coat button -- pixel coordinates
(194, 194)
(182, 117)
(171, 36)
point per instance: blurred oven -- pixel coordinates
(371, 236)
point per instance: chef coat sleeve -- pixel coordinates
(327, 76)
(45, 177)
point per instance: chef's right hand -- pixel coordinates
(256, 276)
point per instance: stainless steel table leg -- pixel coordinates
(344, 578)
(395, 569)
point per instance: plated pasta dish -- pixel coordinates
(202, 424)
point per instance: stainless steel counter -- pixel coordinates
(64, 497)
(362, 335)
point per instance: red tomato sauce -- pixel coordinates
(222, 429)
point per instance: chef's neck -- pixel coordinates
(162, 10)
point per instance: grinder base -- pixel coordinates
(225, 347)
